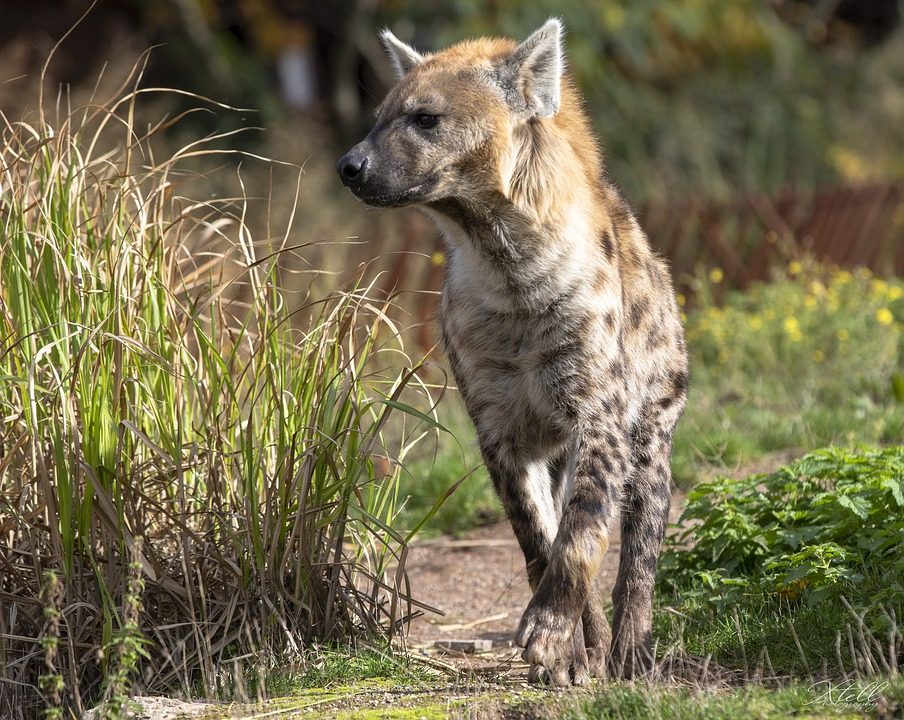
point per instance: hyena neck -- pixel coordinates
(547, 209)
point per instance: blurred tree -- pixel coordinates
(691, 97)
(855, 22)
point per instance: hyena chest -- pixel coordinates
(518, 373)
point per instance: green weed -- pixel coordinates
(798, 571)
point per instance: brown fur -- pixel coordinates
(559, 323)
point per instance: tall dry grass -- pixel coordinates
(163, 409)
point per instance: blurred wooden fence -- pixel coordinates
(851, 226)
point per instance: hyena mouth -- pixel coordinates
(384, 199)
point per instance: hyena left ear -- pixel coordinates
(404, 57)
(537, 63)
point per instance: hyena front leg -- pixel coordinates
(645, 512)
(526, 491)
(547, 629)
(596, 630)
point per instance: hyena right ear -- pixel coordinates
(537, 65)
(404, 57)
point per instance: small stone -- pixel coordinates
(468, 647)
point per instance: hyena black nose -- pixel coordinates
(352, 167)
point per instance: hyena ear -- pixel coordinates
(537, 64)
(404, 57)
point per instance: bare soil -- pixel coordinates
(481, 585)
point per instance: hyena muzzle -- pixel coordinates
(559, 323)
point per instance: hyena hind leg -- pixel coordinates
(645, 511)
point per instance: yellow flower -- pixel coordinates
(792, 328)
(810, 302)
(438, 258)
(716, 275)
(842, 334)
(818, 356)
(879, 286)
(843, 277)
(884, 316)
(794, 267)
(755, 322)
(681, 300)
(895, 292)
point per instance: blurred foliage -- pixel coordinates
(704, 97)
(812, 358)
(691, 97)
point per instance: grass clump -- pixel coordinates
(798, 570)
(207, 468)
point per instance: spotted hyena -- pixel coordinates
(559, 322)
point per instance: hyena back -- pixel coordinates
(559, 322)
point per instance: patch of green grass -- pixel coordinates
(811, 359)
(622, 701)
(330, 666)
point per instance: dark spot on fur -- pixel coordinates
(608, 245)
(680, 383)
(655, 338)
(637, 312)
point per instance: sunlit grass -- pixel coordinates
(813, 358)
(160, 399)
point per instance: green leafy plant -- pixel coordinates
(816, 544)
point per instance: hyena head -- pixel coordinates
(448, 127)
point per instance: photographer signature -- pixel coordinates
(847, 693)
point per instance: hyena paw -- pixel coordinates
(552, 647)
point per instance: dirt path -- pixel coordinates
(481, 585)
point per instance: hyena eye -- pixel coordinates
(425, 120)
